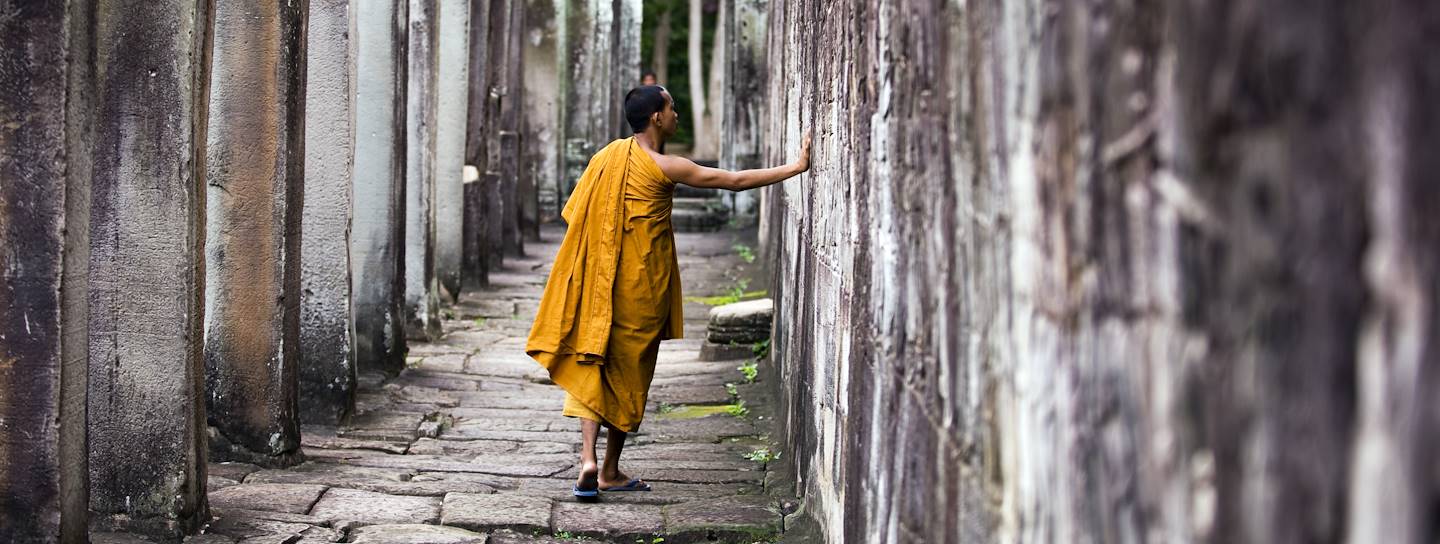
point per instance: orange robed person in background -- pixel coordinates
(614, 290)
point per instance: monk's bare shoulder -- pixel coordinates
(675, 168)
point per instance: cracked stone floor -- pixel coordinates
(468, 444)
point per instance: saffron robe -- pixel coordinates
(614, 290)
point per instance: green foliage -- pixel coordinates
(738, 409)
(730, 389)
(479, 322)
(746, 254)
(763, 455)
(750, 370)
(761, 349)
(657, 539)
(666, 408)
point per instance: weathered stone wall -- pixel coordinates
(255, 162)
(327, 364)
(44, 159)
(1107, 271)
(377, 242)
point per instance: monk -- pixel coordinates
(614, 291)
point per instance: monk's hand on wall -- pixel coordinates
(804, 161)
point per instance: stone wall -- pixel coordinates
(1107, 271)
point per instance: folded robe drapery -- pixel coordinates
(617, 257)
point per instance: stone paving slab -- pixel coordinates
(292, 498)
(414, 534)
(608, 520)
(662, 493)
(349, 508)
(521, 513)
(475, 448)
(739, 518)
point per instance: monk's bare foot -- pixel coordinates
(589, 477)
(618, 481)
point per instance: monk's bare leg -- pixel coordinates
(589, 468)
(610, 475)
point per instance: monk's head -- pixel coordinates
(651, 106)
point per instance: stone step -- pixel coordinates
(696, 203)
(692, 220)
(686, 191)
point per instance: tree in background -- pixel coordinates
(669, 46)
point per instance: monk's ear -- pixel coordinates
(655, 119)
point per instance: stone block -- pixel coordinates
(742, 323)
(327, 365)
(493, 512)
(255, 176)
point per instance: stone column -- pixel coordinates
(517, 198)
(146, 411)
(256, 172)
(587, 56)
(377, 242)
(44, 162)
(541, 128)
(453, 85)
(327, 364)
(422, 302)
(744, 84)
(474, 270)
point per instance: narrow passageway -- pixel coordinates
(468, 440)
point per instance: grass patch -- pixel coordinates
(751, 369)
(762, 455)
(738, 409)
(694, 412)
(479, 322)
(746, 254)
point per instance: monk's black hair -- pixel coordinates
(640, 103)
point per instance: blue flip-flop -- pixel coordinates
(632, 485)
(585, 495)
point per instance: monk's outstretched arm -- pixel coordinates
(685, 171)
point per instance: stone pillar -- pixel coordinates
(475, 271)
(327, 364)
(517, 197)
(377, 237)
(44, 162)
(146, 411)
(252, 287)
(422, 301)
(541, 127)
(453, 85)
(492, 200)
(587, 86)
(740, 143)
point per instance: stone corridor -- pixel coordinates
(468, 440)
(1059, 271)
